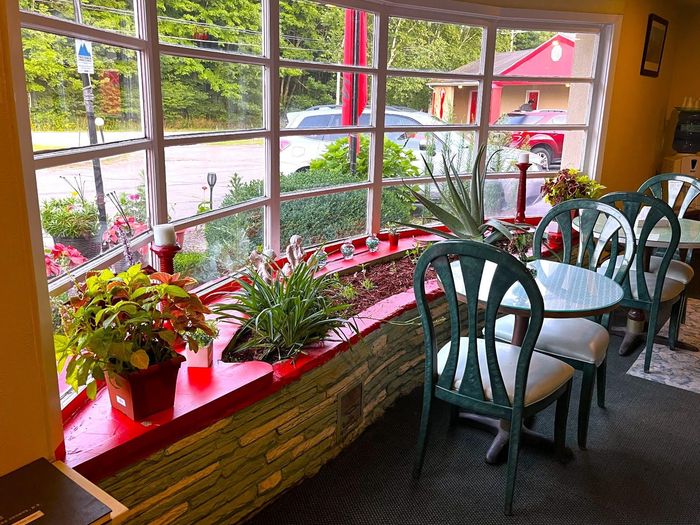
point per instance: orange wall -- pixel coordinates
(29, 412)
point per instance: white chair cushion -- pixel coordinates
(545, 376)
(580, 339)
(677, 270)
(671, 287)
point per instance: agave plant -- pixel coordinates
(461, 206)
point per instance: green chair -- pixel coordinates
(678, 191)
(582, 343)
(645, 290)
(482, 375)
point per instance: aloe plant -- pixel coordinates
(461, 207)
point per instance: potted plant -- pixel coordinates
(568, 184)
(200, 347)
(73, 221)
(124, 329)
(393, 236)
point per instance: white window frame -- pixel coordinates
(146, 42)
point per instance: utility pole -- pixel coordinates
(89, 101)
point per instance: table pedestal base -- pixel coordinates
(634, 334)
(498, 450)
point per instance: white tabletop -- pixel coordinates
(661, 233)
(567, 290)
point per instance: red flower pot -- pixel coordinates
(145, 392)
(394, 240)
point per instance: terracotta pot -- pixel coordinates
(145, 392)
(394, 240)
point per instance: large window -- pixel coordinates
(246, 121)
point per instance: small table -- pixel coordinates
(567, 290)
(658, 238)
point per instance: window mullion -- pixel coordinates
(374, 200)
(271, 105)
(147, 13)
(489, 53)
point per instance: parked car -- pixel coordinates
(296, 152)
(548, 144)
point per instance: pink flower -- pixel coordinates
(52, 269)
(130, 224)
(134, 197)
(69, 253)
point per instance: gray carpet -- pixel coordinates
(642, 466)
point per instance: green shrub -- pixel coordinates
(189, 263)
(69, 217)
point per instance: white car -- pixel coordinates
(297, 152)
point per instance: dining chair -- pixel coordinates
(479, 374)
(678, 191)
(580, 342)
(643, 289)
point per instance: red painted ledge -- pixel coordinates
(100, 441)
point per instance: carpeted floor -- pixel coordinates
(642, 466)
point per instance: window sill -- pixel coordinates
(99, 441)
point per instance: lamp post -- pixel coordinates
(211, 181)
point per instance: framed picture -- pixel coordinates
(654, 42)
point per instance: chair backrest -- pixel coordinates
(675, 189)
(631, 204)
(600, 228)
(472, 258)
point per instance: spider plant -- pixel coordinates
(280, 318)
(461, 206)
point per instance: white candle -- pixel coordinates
(164, 235)
(523, 158)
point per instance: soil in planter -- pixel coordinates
(360, 290)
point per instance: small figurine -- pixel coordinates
(295, 254)
(261, 263)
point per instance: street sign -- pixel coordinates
(83, 57)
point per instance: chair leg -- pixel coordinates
(651, 334)
(584, 406)
(423, 431)
(513, 449)
(601, 378)
(674, 324)
(560, 419)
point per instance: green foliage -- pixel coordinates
(201, 338)
(570, 184)
(280, 318)
(69, 217)
(461, 207)
(398, 162)
(189, 263)
(123, 323)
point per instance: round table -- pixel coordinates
(567, 291)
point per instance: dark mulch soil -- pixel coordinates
(369, 285)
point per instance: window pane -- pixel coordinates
(316, 161)
(72, 216)
(324, 99)
(326, 218)
(235, 168)
(549, 150)
(504, 194)
(115, 15)
(325, 33)
(434, 46)
(410, 154)
(537, 104)
(544, 53)
(58, 98)
(399, 204)
(220, 26)
(220, 247)
(205, 95)
(414, 101)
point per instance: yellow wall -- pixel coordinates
(28, 400)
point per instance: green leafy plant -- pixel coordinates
(461, 206)
(280, 318)
(123, 323)
(368, 284)
(570, 184)
(347, 292)
(72, 216)
(201, 338)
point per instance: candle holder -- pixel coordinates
(522, 183)
(166, 257)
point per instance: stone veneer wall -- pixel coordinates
(229, 470)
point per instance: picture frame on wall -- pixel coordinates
(657, 28)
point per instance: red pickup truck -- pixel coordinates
(546, 143)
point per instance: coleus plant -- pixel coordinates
(124, 323)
